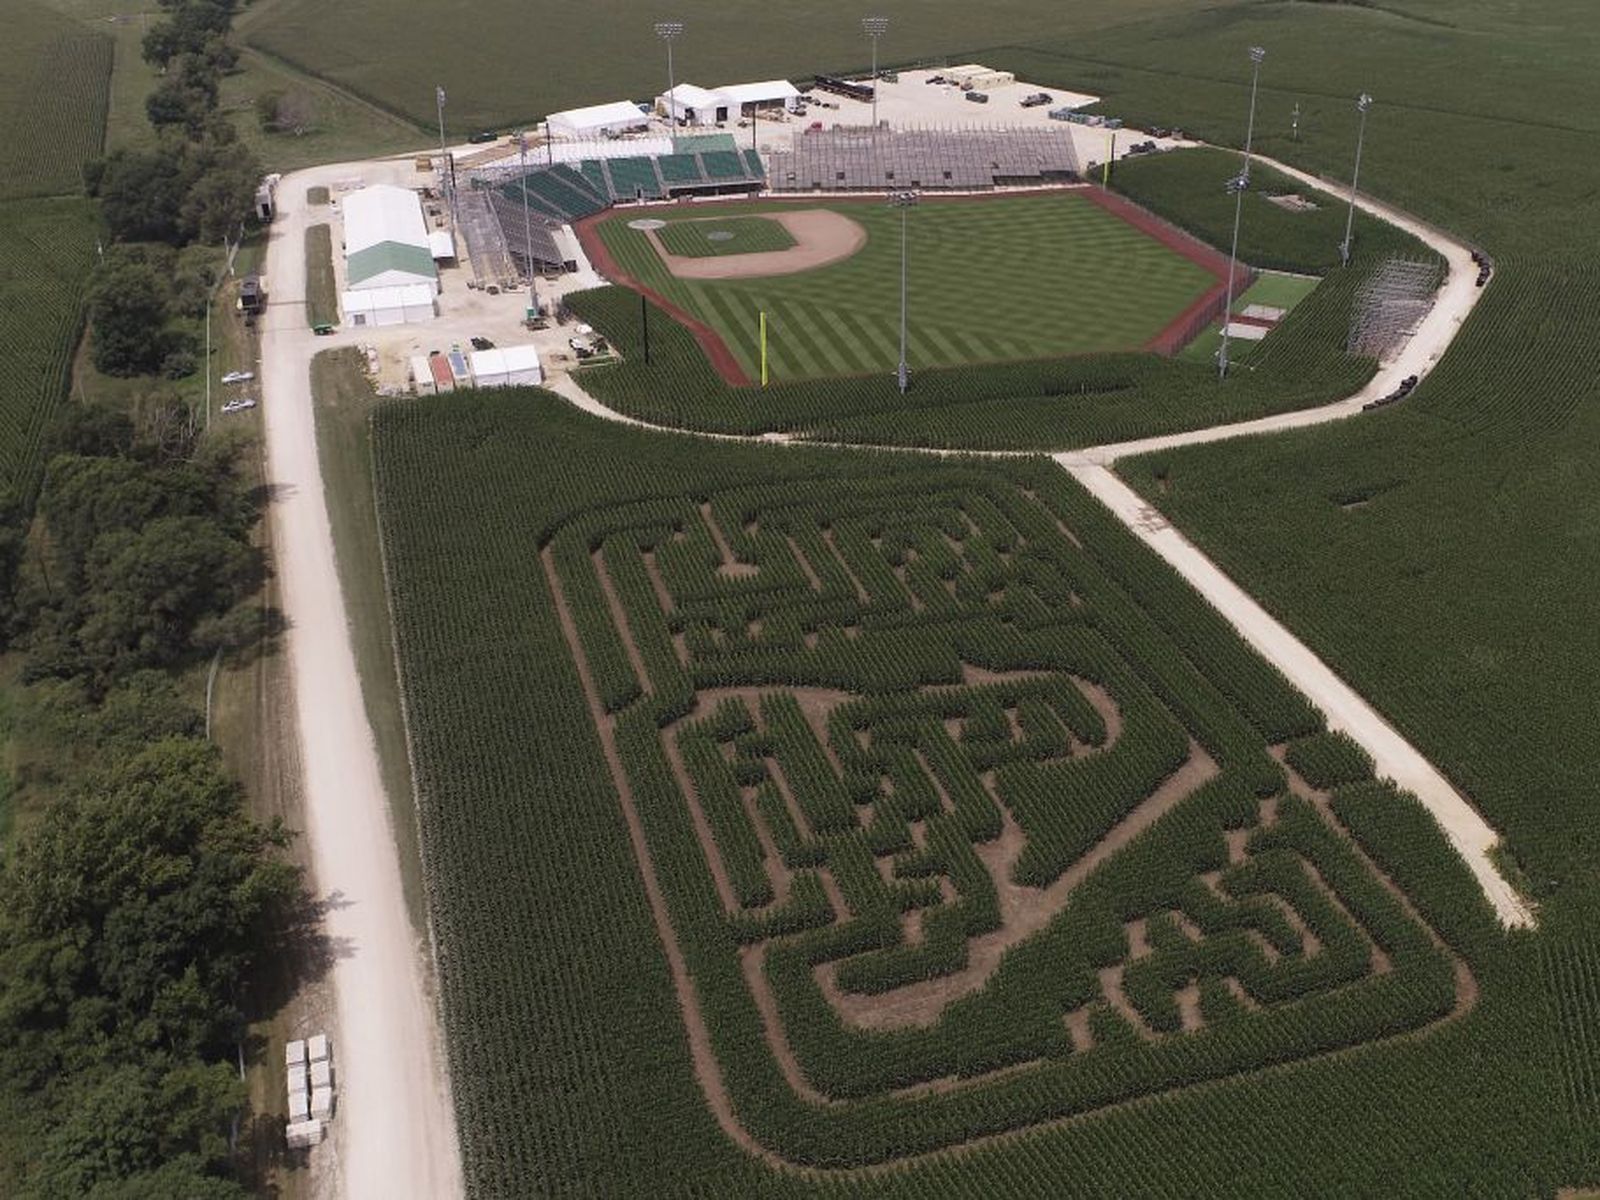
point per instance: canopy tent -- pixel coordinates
(507, 366)
(366, 307)
(620, 116)
(693, 105)
(386, 239)
(742, 97)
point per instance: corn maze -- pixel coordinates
(953, 829)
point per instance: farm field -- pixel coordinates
(55, 78)
(45, 256)
(994, 279)
(611, 53)
(841, 729)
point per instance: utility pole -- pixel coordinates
(904, 201)
(668, 31)
(1257, 53)
(875, 28)
(211, 299)
(1294, 119)
(1238, 185)
(527, 222)
(444, 160)
(1363, 102)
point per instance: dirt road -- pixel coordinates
(1394, 757)
(393, 1135)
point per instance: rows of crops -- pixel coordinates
(833, 684)
(46, 251)
(55, 81)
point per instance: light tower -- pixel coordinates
(444, 158)
(668, 31)
(1238, 185)
(904, 201)
(1363, 102)
(874, 28)
(527, 221)
(1257, 53)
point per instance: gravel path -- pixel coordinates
(393, 1134)
(1393, 756)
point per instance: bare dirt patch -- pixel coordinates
(821, 237)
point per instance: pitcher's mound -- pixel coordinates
(821, 236)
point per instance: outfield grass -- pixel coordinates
(713, 237)
(992, 280)
(1271, 288)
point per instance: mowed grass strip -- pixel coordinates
(711, 238)
(1033, 276)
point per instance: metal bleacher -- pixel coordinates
(680, 168)
(964, 159)
(722, 164)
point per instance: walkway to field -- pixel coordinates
(1392, 755)
(394, 1135)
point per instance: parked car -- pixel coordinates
(238, 377)
(482, 343)
(1036, 99)
(322, 329)
(242, 404)
(482, 136)
(978, 97)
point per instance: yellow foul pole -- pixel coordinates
(1105, 178)
(763, 349)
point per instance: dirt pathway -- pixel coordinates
(393, 1134)
(1473, 838)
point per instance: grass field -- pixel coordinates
(322, 284)
(1275, 290)
(1015, 278)
(55, 77)
(480, 55)
(706, 238)
(644, 576)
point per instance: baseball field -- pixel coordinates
(989, 280)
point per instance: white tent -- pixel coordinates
(692, 105)
(620, 116)
(365, 307)
(507, 366)
(386, 239)
(737, 97)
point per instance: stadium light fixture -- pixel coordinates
(1257, 53)
(527, 221)
(874, 28)
(1363, 102)
(444, 157)
(904, 201)
(1238, 185)
(668, 32)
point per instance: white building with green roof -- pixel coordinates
(386, 240)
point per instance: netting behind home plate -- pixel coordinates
(834, 160)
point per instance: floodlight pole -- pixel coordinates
(903, 201)
(444, 160)
(1363, 102)
(211, 300)
(875, 28)
(1238, 185)
(1257, 53)
(527, 221)
(667, 31)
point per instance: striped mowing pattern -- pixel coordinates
(746, 235)
(991, 280)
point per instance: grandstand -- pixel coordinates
(559, 193)
(964, 159)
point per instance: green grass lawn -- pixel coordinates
(322, 286)
(1272, 288)
(1030, 277)
(708, 238)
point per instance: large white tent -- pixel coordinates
(692, 105)
(507, 366)
(620, 116)
(740, 98)
(366, 307)
(386, 239)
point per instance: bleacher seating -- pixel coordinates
(634, 177)
(722, 164)
(567, 191)
(680, 168)
(594, 173)
(753, 165)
